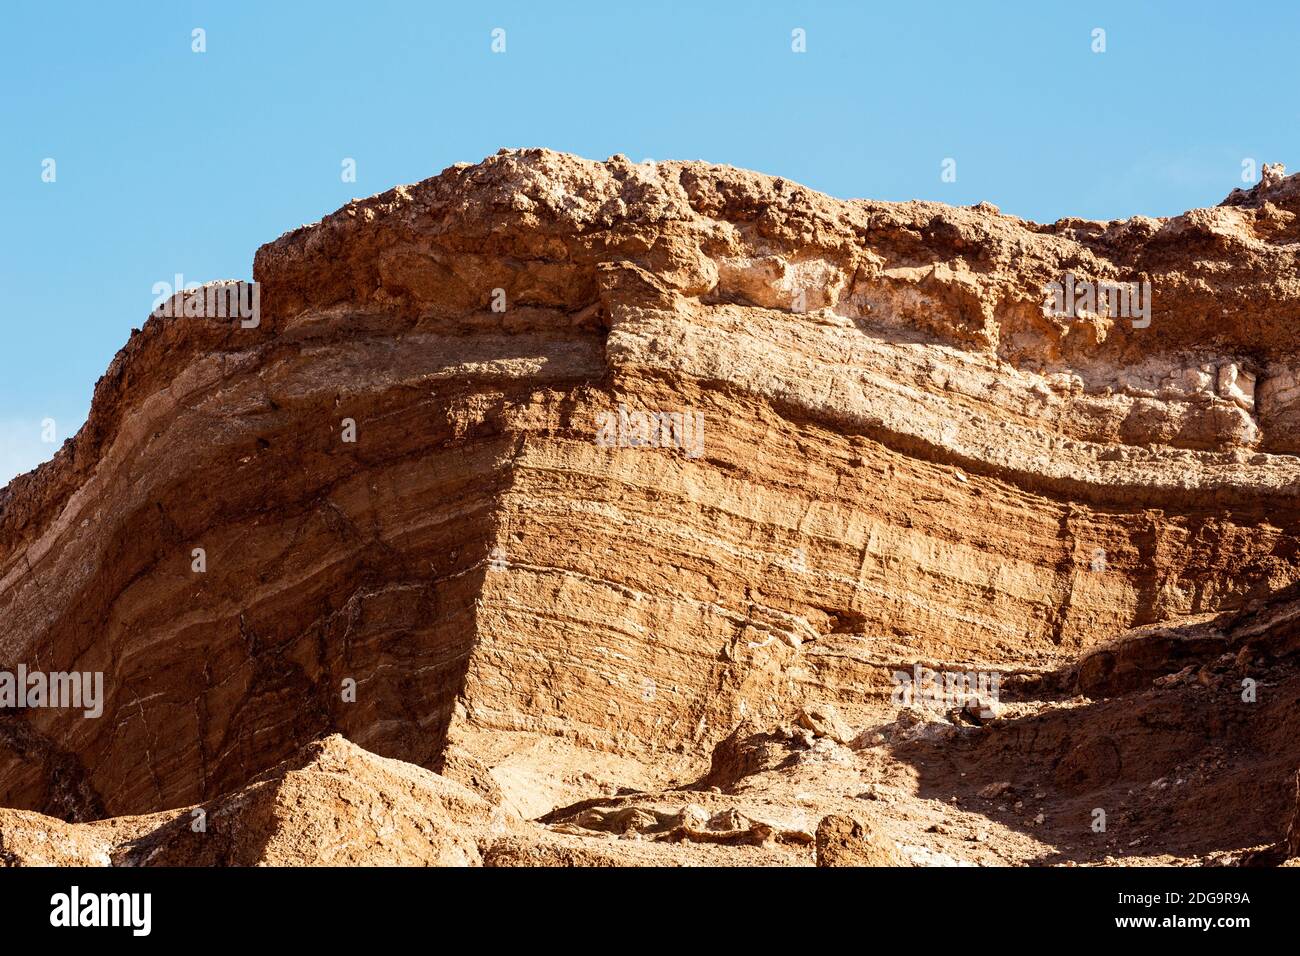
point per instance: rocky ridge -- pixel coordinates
(673, 651)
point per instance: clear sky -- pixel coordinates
(169, 161)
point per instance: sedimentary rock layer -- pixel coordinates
(904, 457)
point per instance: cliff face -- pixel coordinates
(574, 465)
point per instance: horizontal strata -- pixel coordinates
(903, 457)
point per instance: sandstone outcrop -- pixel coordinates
(332, 804)
(573, 481)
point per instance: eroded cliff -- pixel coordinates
(899, 455)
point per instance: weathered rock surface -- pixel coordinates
(904, 458)
(332, 804)
(844, 841)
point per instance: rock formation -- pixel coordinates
(618, 498)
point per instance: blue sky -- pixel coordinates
(170, 161)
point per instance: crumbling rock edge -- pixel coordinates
(634, 655)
